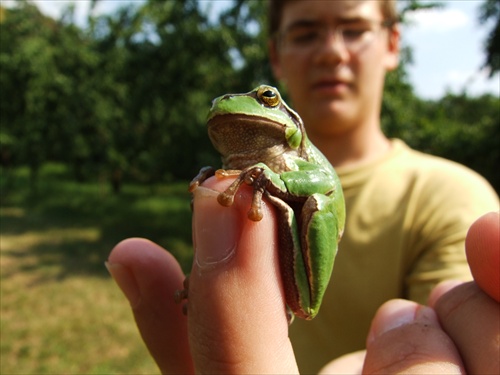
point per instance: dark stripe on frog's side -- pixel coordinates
(291, 257)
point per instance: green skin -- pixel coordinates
(263, 142)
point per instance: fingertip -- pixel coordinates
(396, 313)
(134, 249)
(154, 269)
(218, 231)
(441, 289)
(483, 253)
(140, 252)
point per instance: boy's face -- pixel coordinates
(334, 78)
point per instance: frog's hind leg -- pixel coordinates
(293, 266)
(319, 232)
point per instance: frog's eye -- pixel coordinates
(268, 96)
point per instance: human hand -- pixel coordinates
(458, 333)
(234, 322)
(236, 319)
(470, 312)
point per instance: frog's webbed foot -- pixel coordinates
(251, 176)
(202, 175)
(181, 295)
(259, 187)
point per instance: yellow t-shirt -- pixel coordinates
(407, 217)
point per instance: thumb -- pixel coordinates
(236, 312)
(149, 276)
(406, 338)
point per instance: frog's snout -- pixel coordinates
(221, 98)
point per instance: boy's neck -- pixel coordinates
(352, 148)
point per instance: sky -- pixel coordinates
(447, 44)
(448, 51)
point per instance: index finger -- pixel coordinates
(236, 311)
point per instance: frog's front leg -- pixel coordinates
(254, 176)
(202, 175)
(207, 172)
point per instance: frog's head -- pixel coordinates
(255, 122)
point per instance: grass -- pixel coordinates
(61, 313)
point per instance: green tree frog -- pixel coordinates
(263, 142)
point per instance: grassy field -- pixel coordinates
(61, 313)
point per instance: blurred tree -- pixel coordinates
(490, 11)
(126, 96)
(400, 105)
(30, 84)
(175, 63)
(49, 90)
(464, 129)
(243, 26)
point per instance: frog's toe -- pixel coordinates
(225, 199)
(255, 214)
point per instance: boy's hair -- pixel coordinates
(275, 11)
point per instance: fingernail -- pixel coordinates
(399, 313)
(442, 288)
(126, 281)
(215, 229)
(396, 316)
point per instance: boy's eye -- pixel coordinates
(353, 33)
(303, 36)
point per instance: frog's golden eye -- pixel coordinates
(268, 96)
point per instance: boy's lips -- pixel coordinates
(331, 86)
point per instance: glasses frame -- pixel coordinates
(326, 30)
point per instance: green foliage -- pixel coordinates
(125, 98)
(490, 11)
(457, 127)
(243, 28)
(465, 129)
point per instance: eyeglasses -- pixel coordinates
(307, 36)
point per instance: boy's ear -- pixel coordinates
(392, 58)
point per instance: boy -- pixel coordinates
(407, 213)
